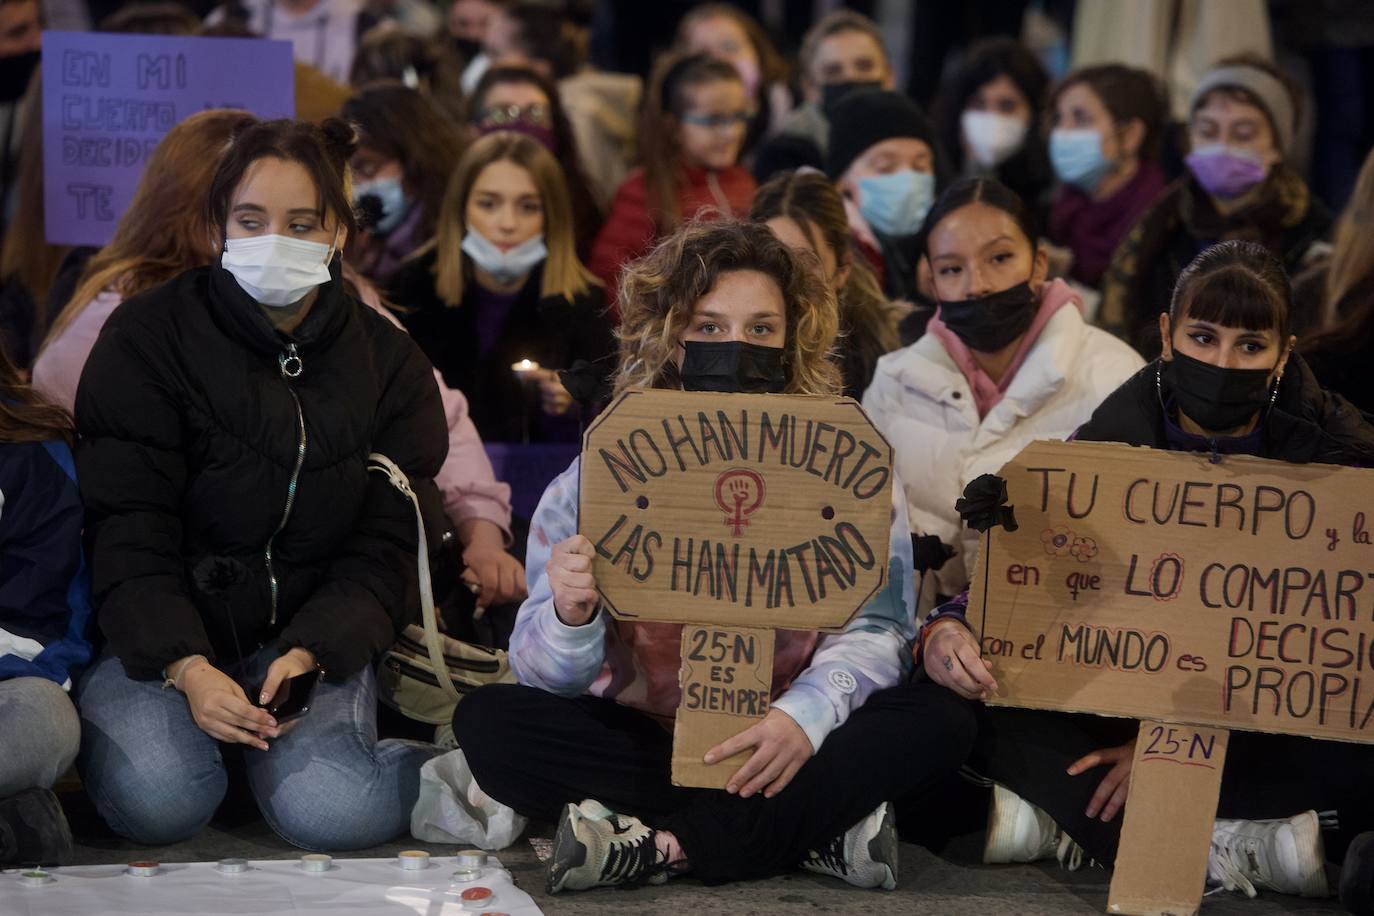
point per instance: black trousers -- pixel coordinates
(1266, 776)
(536, 751)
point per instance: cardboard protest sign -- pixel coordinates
(1237, 594)
(109, 99)
(737, 513)
(726, 679)
(1161, 862)
(736, 509)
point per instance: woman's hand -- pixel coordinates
(1110, 796)
(554, 399)
(952, 660)
(499, 576)
(575, 598)
(289, 664)
(220, 708)
(780, 749)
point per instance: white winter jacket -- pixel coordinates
(923, 405)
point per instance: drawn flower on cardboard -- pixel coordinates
(1083, 548)
(1058, 541)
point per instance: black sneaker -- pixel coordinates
(865, 855)
(33, 829)
(595, 847)
(1357, 875)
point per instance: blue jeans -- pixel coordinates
(326, 784)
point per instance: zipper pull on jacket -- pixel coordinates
(290, 363)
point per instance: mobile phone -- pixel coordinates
(293, 697)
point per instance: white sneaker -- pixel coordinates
(1278, 855)
(865, 855)
(595, 847)
(1020, 832)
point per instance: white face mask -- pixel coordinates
(275, 270)
(992, 138)
(504, 266)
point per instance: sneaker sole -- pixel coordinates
(1004, 827)
(883, 848)
(1307, 834)
(568, 851)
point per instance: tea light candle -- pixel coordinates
(471, 858)
(232, 866)
(522, 366)
(413, 859)
(316, 862)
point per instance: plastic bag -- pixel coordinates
(452, 808)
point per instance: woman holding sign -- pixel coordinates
(581, 740)
(1008, 359)
(1227, 383)
(248, 566)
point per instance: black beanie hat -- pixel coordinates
(872, 116)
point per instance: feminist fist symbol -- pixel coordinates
(739, 494)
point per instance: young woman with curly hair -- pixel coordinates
(586, 738)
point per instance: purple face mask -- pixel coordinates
(1226, 171)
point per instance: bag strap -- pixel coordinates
(434, 641)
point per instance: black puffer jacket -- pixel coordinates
(191, 435)
(1307, 423)
(552, 331)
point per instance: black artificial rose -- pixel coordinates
(218, 576)
(368, 211)
(984, 504)
(587, 382)
(928, 552)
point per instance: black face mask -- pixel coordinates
(991, 322)
(1214, 398)
(732, 366)
(15, 71)
(833, 94)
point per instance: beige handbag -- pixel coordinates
(425, 673)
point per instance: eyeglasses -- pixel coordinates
(501, 115)
(718, 121)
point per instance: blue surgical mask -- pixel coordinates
(896, 204)
(1076, 154)
(504, 266)
(391, 195)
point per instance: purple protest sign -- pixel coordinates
(109, 99)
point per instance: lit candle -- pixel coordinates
(523, 366)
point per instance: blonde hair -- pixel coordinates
(564, 275)
(659, 293)
(165, 230)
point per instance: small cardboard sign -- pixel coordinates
(1161, 585)
(109, 99)
(726, 680)
(736, 509)
(1161, 863)
(737, 514)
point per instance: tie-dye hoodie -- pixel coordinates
(818, 678)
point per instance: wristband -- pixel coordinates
(175, 681)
